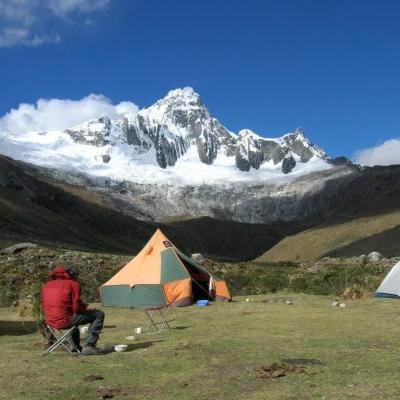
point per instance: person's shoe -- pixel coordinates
(92, 351)
(76, 349)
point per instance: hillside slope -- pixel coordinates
(386, 242)
(327, 240)
(230, 239)
(35, 210)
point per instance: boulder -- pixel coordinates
(17, 248)
(374, 256)
(198, 258)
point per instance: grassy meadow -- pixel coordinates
(216, 352)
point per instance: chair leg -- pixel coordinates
(158, 325)
(60, 340)
(150, 320)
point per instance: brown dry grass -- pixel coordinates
(315, 243)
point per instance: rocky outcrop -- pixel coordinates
(16, 248)
(374, 256)
(106, 158)
(198, 258)
(288, 164)
(257, 150)
(299, 145)
(167, 150)
(340, 161)
(207, 147)
(94, 133)
(242, 161)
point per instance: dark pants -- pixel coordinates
(96, 320)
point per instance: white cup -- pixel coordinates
(83, 329)
(121, 347)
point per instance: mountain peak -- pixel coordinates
(181, 96)
(177, 99)
(187, 92)
(299, 132)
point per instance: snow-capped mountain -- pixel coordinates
(176, 140)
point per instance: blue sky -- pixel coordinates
(331, 67)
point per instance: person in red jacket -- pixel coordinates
(63, 308)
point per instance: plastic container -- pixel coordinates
(121, 347)
(202, 303)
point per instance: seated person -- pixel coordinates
(63, 308)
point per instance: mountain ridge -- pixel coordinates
(164, 141)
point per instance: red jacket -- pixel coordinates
(60, 298)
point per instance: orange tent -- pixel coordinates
(159, 275)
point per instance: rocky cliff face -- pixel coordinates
(313, 198)
(179, 120)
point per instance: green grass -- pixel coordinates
(213, 353)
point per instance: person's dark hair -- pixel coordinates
(73, 272)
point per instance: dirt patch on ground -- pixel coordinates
(93, 377)
(352, 293)
(302, 361)
(108, 392)
(279, 370)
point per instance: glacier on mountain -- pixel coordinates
(175, 141)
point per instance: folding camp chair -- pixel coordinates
(158, 319)
(63, 337)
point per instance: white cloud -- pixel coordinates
(126, 107)
(22, 36)
(388, 153)
(23, 22)
(62, 8)
(59, 114)
(21, 12)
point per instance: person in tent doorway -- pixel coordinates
(63, 308)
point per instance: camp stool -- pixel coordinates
(63, 338)
(157, 319)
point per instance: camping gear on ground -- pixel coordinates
(62, 337)
(202, 303)
(390, 286)
(121, 347)
(161, 275)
